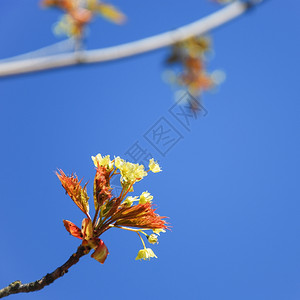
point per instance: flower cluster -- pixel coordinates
(190, 55)
(78, 13)
(133, 213)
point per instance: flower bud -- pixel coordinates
(152, 239)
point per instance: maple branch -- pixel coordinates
(199, 27)
(17, 286)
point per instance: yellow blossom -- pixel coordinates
(158, 230)
(145, 254)
(67, 26)
(152, 239)
(145, 197)
(130, 172)
(103, 161)
(129, 200)
(132, 213)
(154, 166)
(119, 162)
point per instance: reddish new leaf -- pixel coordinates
(73, 229)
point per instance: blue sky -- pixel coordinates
(230, 186)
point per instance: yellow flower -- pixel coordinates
(66, 25)
(119, 162)
(154, 166)
(145, 197)
(133, 172)
(103, 161)
(145, 254)
(133, 213)
(129, 200)
(158, 230)
(139, 171)
(152, 239)
(130, 172)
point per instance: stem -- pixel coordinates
(114, 172)
(130, 229)
(122, 196)
(165, 39)
(138, 231)
(17, 286)
(142, 240)
(96, 214)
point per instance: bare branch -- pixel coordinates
(17, 287)
(199, 27)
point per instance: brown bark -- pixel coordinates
(17, 286)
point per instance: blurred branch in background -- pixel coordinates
(10, 67)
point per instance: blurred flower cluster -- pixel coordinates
(78, 13)
(132, 213)
(189, 70)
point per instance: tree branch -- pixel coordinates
(17, 286)
(199, 27)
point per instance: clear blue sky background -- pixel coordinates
(230, 186)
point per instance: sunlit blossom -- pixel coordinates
(154, 166)
(145, 254)
(103, 161)
(152, 239)
(145, 197)
(132, 213)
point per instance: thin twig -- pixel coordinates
(199, 27)
(17, 286)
